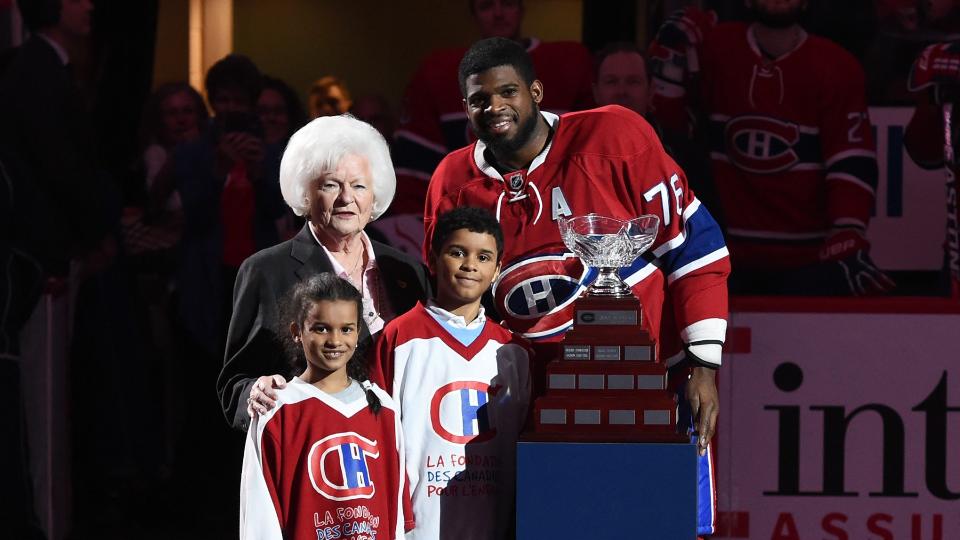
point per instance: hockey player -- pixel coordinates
(791, 146)
(327, 461)
(937, 74)
(463, 384)
(530, 168)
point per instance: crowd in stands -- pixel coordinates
(768, 120)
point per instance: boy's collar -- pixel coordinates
(454, 319)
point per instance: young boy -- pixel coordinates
(463, 386)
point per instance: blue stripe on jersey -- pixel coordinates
(407, 154)
(862, 167)
(702, 237)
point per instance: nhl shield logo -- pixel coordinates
(515, 181)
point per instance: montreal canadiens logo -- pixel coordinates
(533, 294)
(761, 145)
(338, 466)
(460, 412)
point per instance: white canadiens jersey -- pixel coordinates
(318, 468)
(463, 408)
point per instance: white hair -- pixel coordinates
(317, 148)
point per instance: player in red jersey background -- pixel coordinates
(791, 145)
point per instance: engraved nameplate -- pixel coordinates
(586, 416)
(620, 382)
(606, 352)
(626, 317)
(560, 381)
(650, 382)
(553, 416)
(637, 352)
(591, 382)
(576, 352)
(656, 418)
(623, 417)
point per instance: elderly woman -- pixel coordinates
(337, 173)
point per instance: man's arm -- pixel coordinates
(693, 256)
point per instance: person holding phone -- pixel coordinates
(227, 180)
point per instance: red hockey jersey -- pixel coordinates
(434, 123)
(791, 145)
(606, 161)
(315, 467)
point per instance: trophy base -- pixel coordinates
(655, 413)
(594, 378)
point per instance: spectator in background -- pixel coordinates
(375, 110)
(280, 111)
(623, 78)
(151, 226)
(55, 210)
(433, 121)
(227, 181)
(174, 114)
(329, 96)
(281, 115)
(791, 146)
(227, 184)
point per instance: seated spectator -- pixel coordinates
(280, 111)
(329, 96)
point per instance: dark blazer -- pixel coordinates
(253, 348)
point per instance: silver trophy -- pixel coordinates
(608, 244)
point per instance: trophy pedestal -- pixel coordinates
(607, 381)
(611, 490)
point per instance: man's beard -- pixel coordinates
(784, 19)
(506, 146)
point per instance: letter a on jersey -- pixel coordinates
(559, 204)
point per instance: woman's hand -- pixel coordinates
(263, 394)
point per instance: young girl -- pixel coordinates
(327, 461)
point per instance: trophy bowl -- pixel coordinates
(608, 244)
